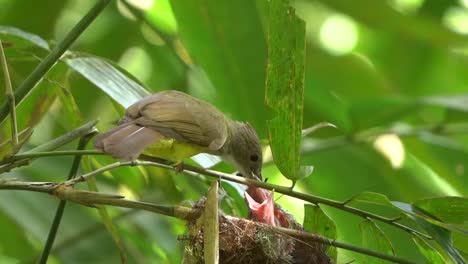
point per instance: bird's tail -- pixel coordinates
(126, 141)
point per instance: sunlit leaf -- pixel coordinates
(318, 222)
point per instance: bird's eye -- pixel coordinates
(254, 157)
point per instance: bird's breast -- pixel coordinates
(173, 150)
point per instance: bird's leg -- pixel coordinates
(178, 167)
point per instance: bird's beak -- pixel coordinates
(258, 175)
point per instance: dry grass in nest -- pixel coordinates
(248, 242)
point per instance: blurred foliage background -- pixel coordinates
(389, 74)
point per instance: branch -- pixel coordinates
(191, 170)
(65, 191)
(280, 189)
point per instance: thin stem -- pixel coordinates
(65, 138)
(94, 173)
(61, 207)
(57, 52)
(50, 145)
(50, 153)
(10, 97)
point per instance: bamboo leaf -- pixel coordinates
(110, 80)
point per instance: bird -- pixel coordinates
(173, 125)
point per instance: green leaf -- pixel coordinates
(431, 255)
(234, 202)
(318, 222)
(431, 219)
(448, 209)
(18, 250)
(441, 235)
(373, 198)
(232, 54)
(374, 238)
(384, 17)
(285, 87)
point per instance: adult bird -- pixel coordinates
(174, 126)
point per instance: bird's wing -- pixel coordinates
(182, 117)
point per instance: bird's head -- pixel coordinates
(245, 150)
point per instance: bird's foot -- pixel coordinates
(178, 167)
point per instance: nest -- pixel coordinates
(245, 241)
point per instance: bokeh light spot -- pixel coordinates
(456, 19)
(338, 34)
(391, 147)
(138, 62)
